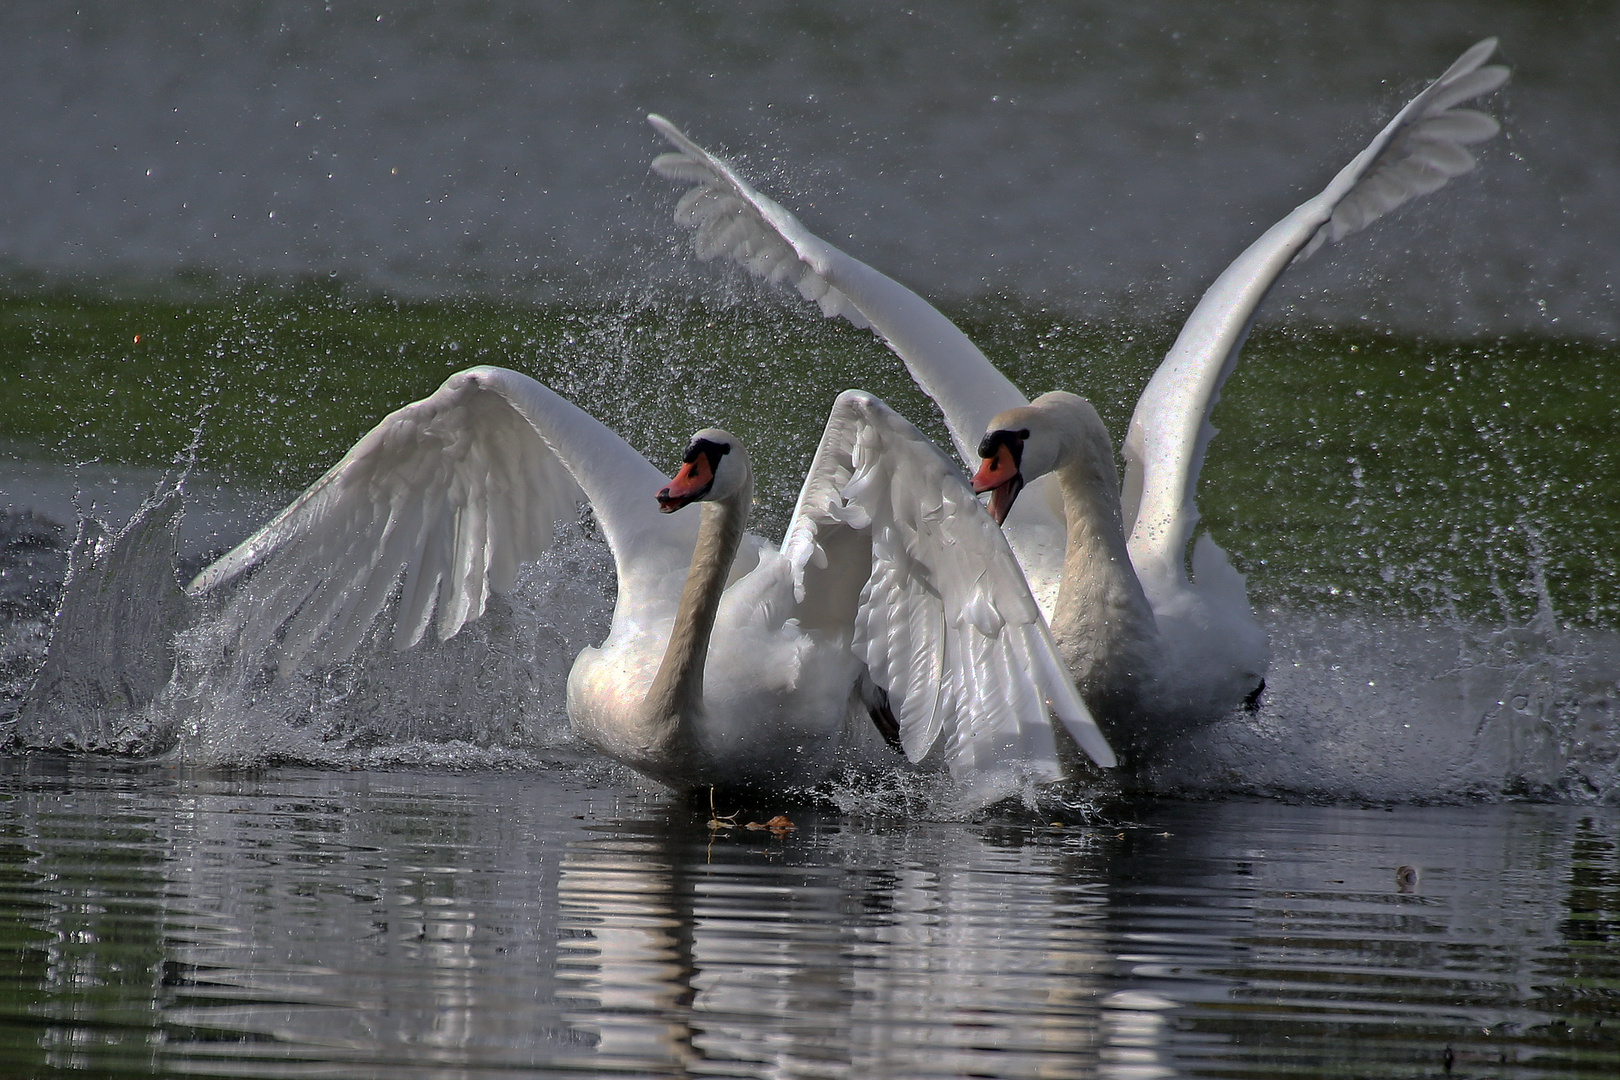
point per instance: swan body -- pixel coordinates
(1100, 559)
(1102, 621)
(728, 661)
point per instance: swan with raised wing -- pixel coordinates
(728, 662)
(1153, 647)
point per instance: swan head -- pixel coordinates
(714, 467)
(1001, 464)
(1021, 445)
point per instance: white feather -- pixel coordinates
(439, 503)
(1206, 622)
(947, 624)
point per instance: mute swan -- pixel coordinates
(728, 662)
(1189, 644)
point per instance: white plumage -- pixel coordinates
(441, 502)
(1212, 653)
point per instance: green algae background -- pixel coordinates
(1363, 470)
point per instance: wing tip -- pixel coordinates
(861, 400)
(676, 137)
(1475, 55)
(1101, 753)
(1082, 727)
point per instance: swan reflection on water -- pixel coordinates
(433, 920)
(986, 965)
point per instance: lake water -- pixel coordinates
(454, 889)
(236, 235)
(285, 922)
(1097, 158)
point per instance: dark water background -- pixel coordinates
(234, 235)
(1095, 157)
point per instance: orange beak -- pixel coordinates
(998, 474)
(691, 481)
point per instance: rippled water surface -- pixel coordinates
(309, 923)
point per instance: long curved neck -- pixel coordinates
(1102, 621)
(675, 699)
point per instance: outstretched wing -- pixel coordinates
(451, 494)
(1417, 152)
(732, 220)
(946, 623)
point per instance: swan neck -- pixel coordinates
(1093, 519)
(1101, 613)
(675, 699)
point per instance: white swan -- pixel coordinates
(728, 662)
(1202, 652)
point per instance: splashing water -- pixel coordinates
(1384, 710)
(1430, 560)
(136, 667)
(1357, 707)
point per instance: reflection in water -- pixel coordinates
(1135, 1025)
(975, 958)
(625, 953)
(457, 924)
(278, 920)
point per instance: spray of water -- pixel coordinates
(1358, 707)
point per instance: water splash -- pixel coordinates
(109, 657)
(1386, 710)
(493, 694)
(135, 667)
(1358, 707)
(33, 561)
